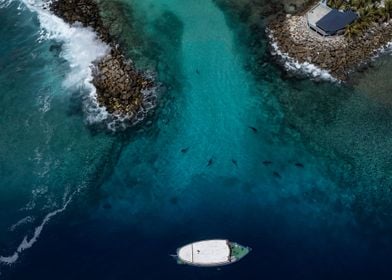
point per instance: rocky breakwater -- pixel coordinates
(296, 44)
(125, 92)
(121, 88)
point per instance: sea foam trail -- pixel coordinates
(25, 220)
(306, 68)
(80, 47)
(28, 243)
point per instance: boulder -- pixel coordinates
(113, 74)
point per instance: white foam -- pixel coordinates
(148, 102)
(28, 243)
(44, 103)
(386, 49)
(80, 47)
(25, 220)
(306, 68)
(5, 3)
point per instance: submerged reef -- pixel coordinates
(336, 123)
(125, 92)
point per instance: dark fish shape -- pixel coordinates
(267, 162)
(197, 72)
(210, 162)
(300, 165)
(276, 175)
(234, 162)
(185, 150)
(254, 129)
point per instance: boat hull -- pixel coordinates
(211, 253)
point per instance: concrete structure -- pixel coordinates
(327, 21)
(315, 14)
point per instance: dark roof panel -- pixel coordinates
(336, 20)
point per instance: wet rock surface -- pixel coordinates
(338, 55)
(84, 11)
(125, 92)
(122, 89)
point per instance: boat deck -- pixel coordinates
(206, 252)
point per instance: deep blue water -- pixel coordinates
(321, 209)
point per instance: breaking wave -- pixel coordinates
(80, 47)
(386, 49)
(290, 64)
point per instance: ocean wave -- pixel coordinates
(25, 220)
(81, 47)
(290, 64)
(28, 243)
(386, 49)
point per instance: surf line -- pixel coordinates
(28, 243)
(96, 61)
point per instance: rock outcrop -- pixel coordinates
(124, 91)
(121, 88)
(338, 55)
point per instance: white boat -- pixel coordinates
(216, 252)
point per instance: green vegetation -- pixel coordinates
(371, 12)
(238, 251)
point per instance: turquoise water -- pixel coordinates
(47, 152)
(217, 105)
(297, 170)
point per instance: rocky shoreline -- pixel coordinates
(293, 42)
(125, 92)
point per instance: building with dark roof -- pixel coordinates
(327, 21)
(336, 21)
